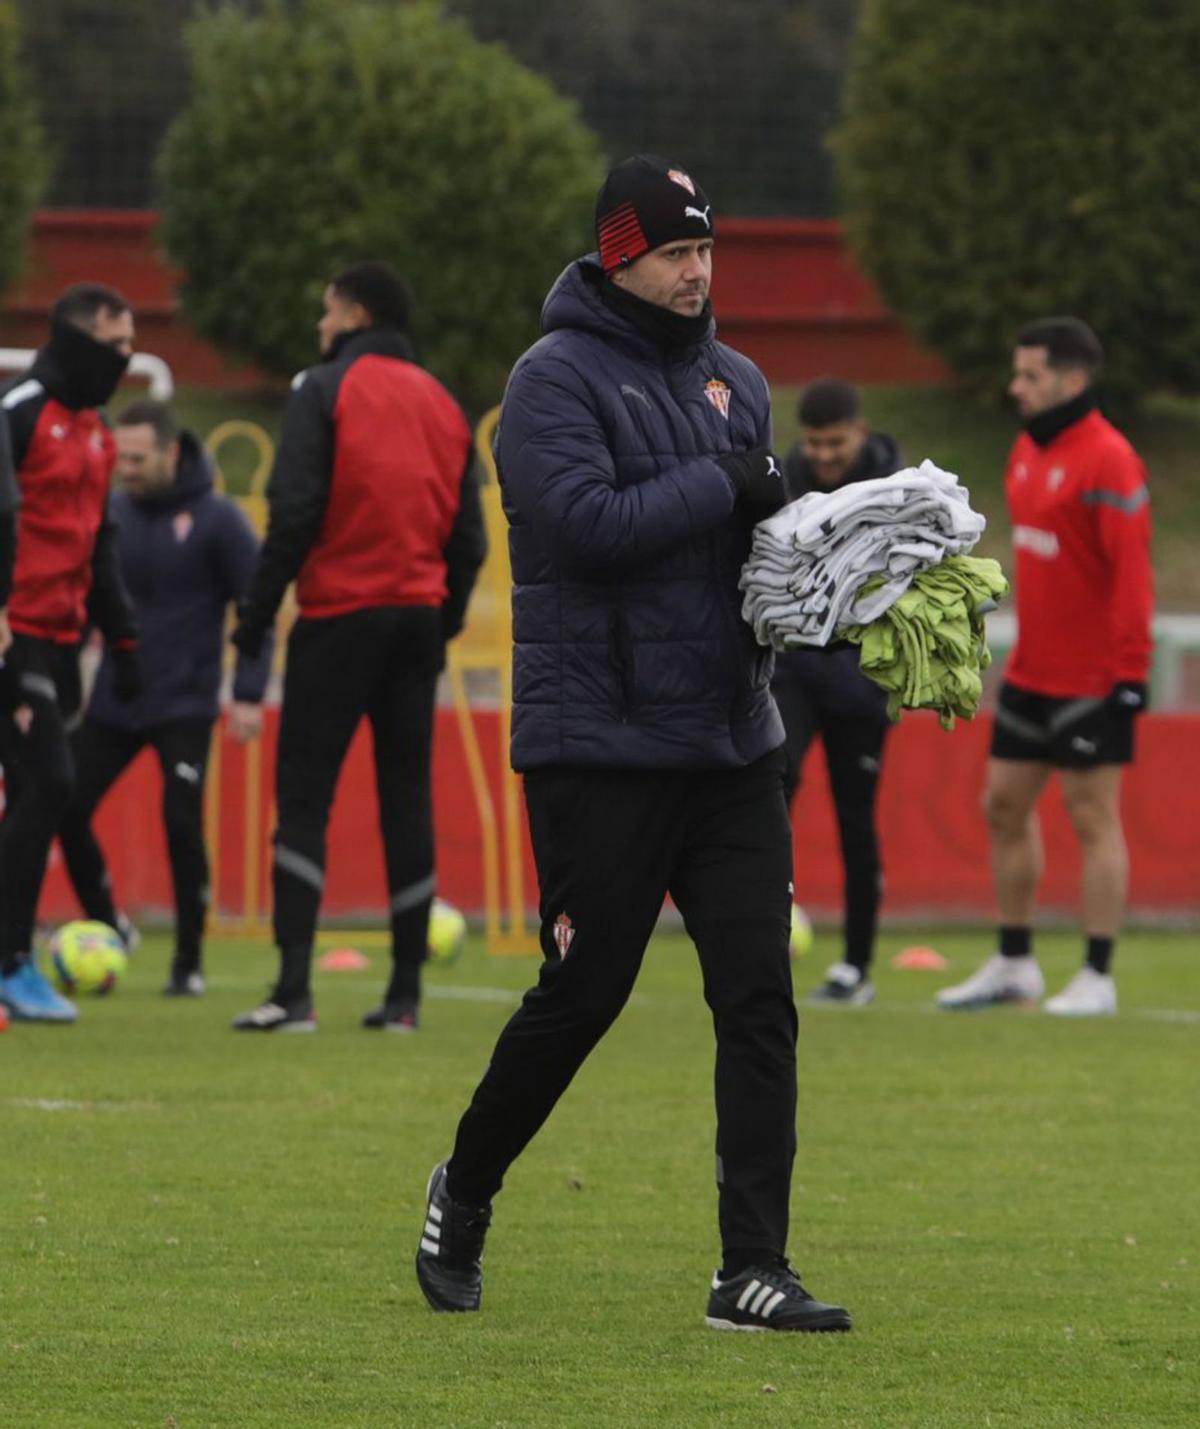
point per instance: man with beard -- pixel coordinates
(64, 573)
(634, 456)
(1076, 680)
(185, 554)
(824, 692)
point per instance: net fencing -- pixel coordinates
(743, 94)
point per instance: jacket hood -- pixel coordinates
(575, 302)
(76, 370)
(193, 477)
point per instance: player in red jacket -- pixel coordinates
(58, 573)
(1076, 681)
(374, 512)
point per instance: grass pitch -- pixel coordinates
(205, 1228)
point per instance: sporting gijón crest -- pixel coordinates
(564, 934)
(718, 394)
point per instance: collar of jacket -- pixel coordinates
(1052, 423)
(76, 370)
(375, 341)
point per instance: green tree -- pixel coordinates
(345, 129)
(1002, 162)
(23, 165)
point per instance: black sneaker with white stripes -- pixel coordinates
(278, 1017)
(769, 1298)
(448, 1268)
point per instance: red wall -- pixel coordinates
(786, 293)
(935, 844)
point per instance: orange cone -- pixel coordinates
(343, 960)
(920, 960)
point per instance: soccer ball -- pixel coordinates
(801, 939)
(447, 932)
(86, 957)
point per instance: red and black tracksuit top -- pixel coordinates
(1080, 512)
(373, 499)
(59, 458)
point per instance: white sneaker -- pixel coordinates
(999, 980)
(1088, 994)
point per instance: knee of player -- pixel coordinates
(1004, 813)
(1093, 820)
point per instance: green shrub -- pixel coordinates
(1004, 162)
(348, 129)
(23, 164)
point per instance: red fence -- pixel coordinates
(786, 292)
(935, 843)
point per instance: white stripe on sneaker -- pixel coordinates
(432, 1230)
(435, 1213)
(760, 1300)
(430, 1245)
(750, 1290)
(772, 1303)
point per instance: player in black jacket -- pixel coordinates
(824, 692)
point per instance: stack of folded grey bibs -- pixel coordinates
(810, 560)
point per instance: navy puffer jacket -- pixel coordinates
(185, 554)
(631, 652)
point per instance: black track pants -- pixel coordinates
(39, 781)
(609, 846)
(102, 754)
(854, 757)
(384, 664)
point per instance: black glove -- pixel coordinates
(757, 480)
(1129, 698)
(127, 675)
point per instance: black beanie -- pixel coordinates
(644, 203)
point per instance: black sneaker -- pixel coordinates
(398, 1016)
(845, 986)
(278, 1017)
(185, 985)
(448, 1269)
(769, 1298)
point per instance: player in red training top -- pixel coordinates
(1076, 681)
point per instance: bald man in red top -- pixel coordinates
(1076, 681)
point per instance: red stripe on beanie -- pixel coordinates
(621, 237)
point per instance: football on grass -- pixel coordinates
(86, 957)
(447, 932)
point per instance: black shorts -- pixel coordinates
(1079, 733)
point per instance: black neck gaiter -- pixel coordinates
(1049, 424)
(77, 370)
(671, 331)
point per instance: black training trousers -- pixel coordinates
(382, 663)
(854, 757)
(102, 754)
(609, 846)
(39, 780)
